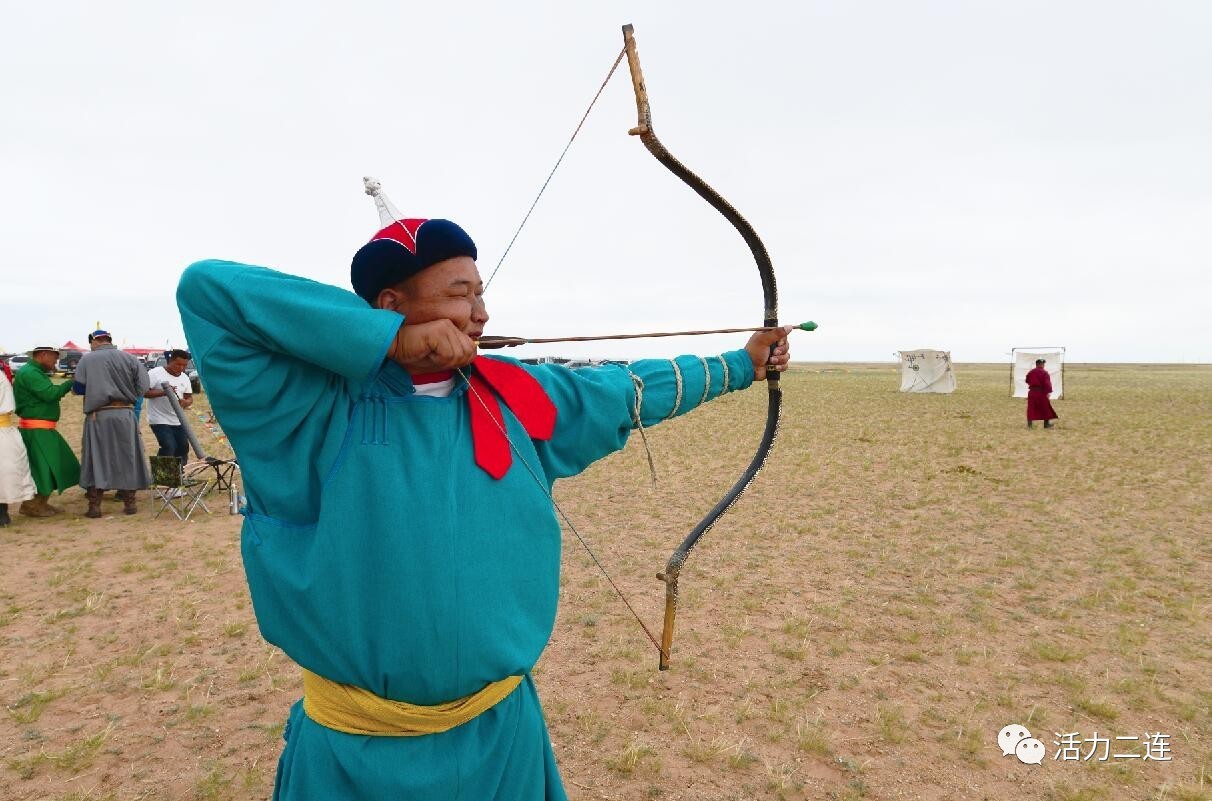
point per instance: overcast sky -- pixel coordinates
(969, 176)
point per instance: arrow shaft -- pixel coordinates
(510, 342)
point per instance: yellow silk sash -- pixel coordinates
(354, 710)
(6, 419)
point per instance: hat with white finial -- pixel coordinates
(402, 247)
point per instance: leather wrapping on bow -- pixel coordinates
(770, 315)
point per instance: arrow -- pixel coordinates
(489, 343)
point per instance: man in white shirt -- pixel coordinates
(160, 415)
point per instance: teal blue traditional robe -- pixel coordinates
(377, 553)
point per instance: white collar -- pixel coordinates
(438, 389)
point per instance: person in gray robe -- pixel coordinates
(111, 381)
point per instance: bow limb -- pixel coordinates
(770, 315)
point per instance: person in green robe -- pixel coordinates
(52, 462)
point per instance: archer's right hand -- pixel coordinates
(432, 346)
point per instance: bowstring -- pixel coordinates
(533, 474)
(567, 521)
(551, 174)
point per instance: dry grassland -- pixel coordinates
(909, 574)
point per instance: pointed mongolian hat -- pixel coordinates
(402, 247)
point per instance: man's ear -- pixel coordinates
(389, 298)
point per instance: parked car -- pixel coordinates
(68, 359)
(18, 361)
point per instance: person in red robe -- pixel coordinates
(1039, 387)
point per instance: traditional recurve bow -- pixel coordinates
(770, 318)
(677, 561)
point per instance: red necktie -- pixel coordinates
(523, 395)
(432, 378)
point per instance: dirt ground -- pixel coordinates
(907, 576)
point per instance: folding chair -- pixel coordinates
(176, 491)
(226, 472)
